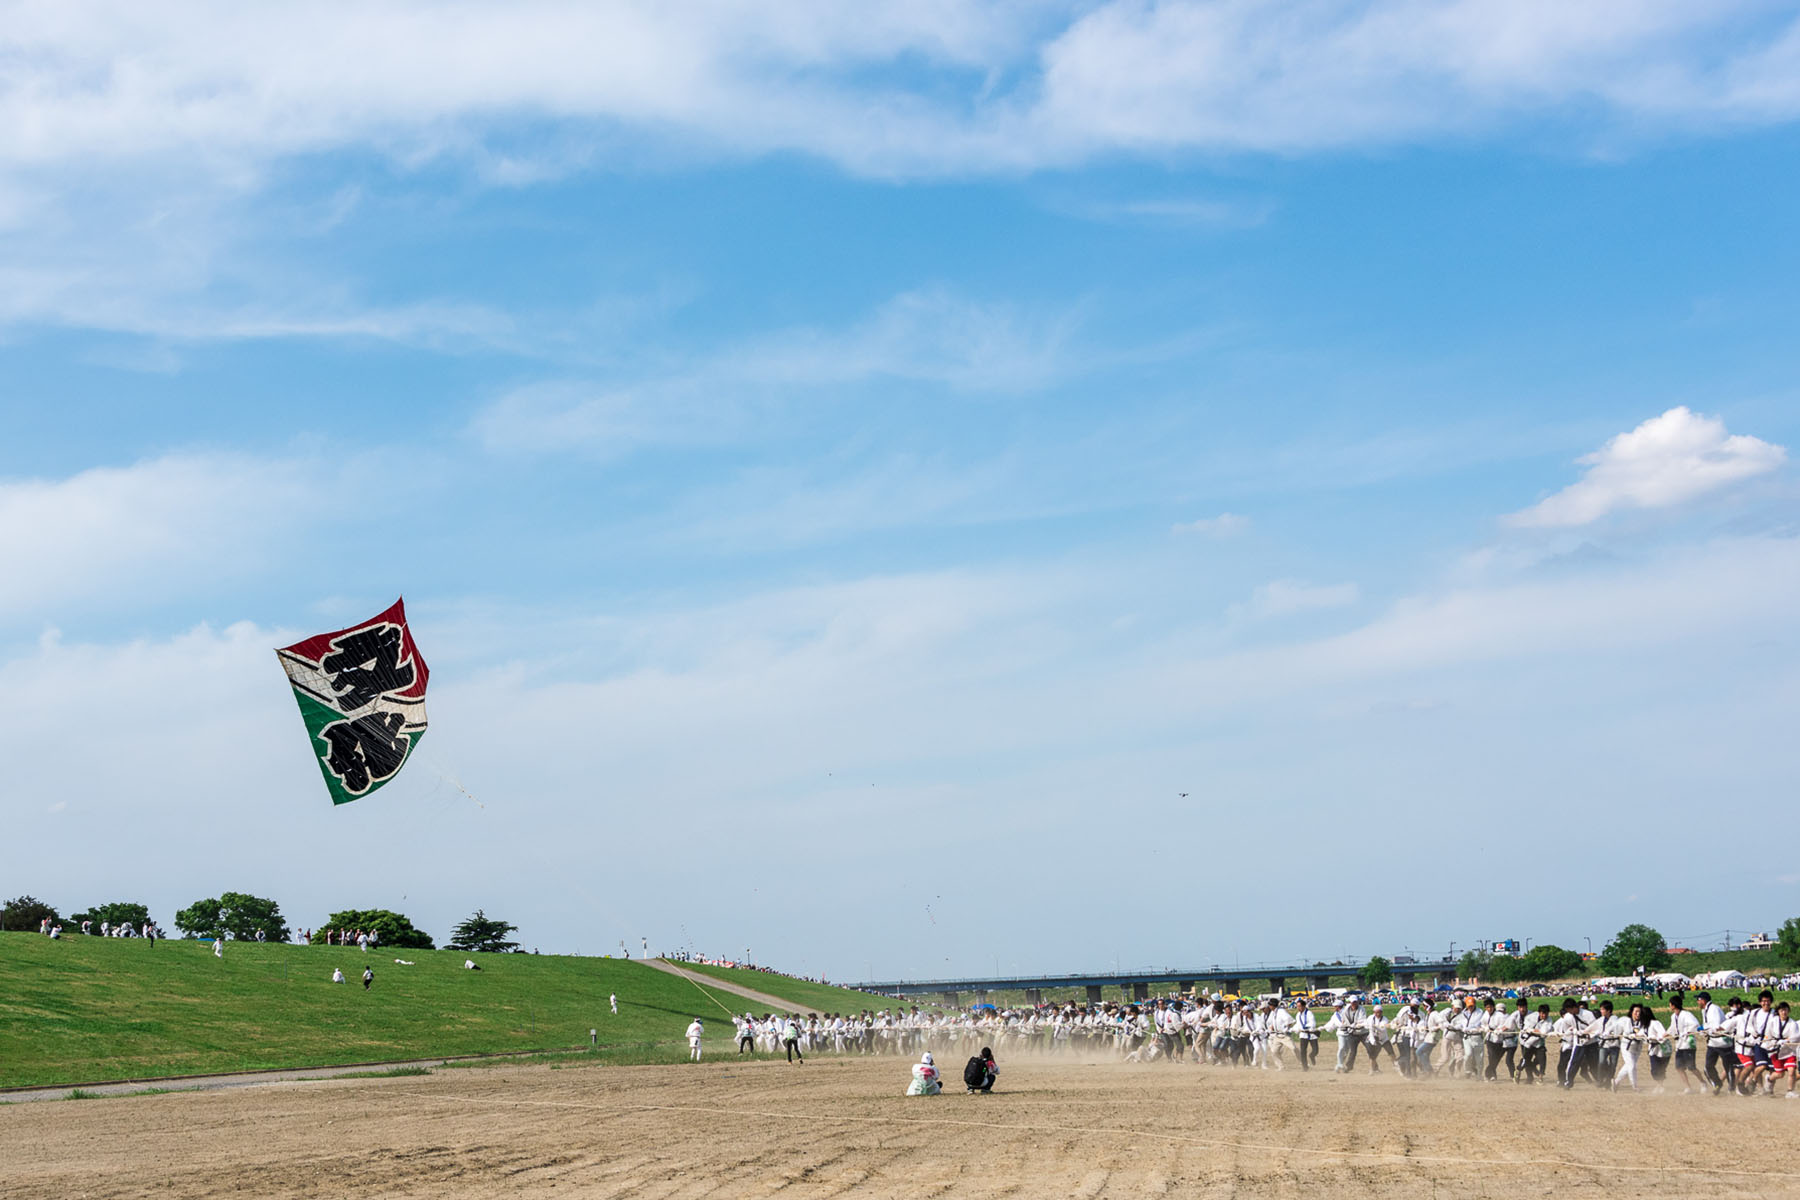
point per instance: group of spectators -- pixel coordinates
(148, 931)
(363, 939)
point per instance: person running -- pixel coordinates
(1533, 1038)
(1568, 1030)
(1503, 1040)
(1784, 1048)
(695, 1032)
(368, 978)
(1634, 1035)
(1684, 1028)
(1608, 1032)
(1719, 1053)
(1755, 1062)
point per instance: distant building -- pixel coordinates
(1680, 950)
(1759, 941)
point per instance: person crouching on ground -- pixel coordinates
(981, 1072)
(925, 1081)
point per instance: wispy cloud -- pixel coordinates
(1225, 525)
(1667, 461)
(883, 88)
(119, 535)
(930, 336)
(1284, 597)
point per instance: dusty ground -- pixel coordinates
(839, 1127)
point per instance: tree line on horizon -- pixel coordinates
(241, 917)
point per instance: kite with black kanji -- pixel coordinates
(362, 695)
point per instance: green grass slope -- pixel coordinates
(88, 1009)
(805, 997)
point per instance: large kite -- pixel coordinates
(362, 694)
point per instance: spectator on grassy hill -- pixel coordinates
(337, 975)
(614, 998)
(219, 946)
(368, 978)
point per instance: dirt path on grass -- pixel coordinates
(772, 1003)
(838, 1127)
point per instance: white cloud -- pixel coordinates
(1225, 525)
(928, 336)
(1283, 597)
(121, 534)
(138, 147)
(1666, 461)
(883, 88)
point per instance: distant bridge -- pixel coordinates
(1138, 984)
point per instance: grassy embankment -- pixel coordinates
(88, 1009)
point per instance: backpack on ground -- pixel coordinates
(975, 1073)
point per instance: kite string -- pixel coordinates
(707, 994)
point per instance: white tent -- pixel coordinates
(1671, 979)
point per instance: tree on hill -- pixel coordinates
(27, 913)
(1376, 972)
(119, 912)
(1787, 943)
(1549, 962)
(1632, 947)
(1504, 968)
(391, 928)
(239, 914)
(482, 933)
(1474, 964)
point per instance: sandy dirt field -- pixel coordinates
(840, 1127)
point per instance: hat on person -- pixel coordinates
(926, 1059)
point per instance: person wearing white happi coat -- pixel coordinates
(1281, 1025)
(1437, 1026)
(1503, 1040)
(1306, 1031)
(1533, 1046)
(1474, 1039)
(1378, 1037)
(1607, 1034)
(694, 1033)
(1347, 1023)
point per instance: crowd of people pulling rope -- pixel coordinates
(1745, 1047)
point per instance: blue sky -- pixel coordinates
(817, 445)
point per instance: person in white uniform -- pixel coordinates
(1306, 1029)
(694, 1033)
(1347, 1023)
